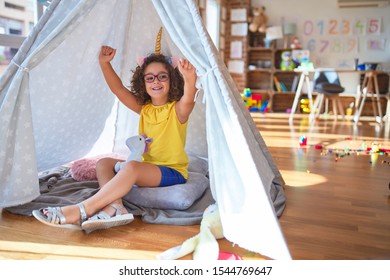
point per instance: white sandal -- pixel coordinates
(102, 220)
(55, 218)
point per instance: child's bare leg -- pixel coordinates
(105, 170)
(142, 174)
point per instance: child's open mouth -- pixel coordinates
(157, 88)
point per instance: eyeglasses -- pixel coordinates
(162, 77)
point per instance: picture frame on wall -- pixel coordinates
(238, 15)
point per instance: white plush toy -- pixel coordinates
(137, 145)
(204, 244)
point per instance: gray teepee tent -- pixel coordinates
(56, 107)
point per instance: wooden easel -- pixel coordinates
(369, 89)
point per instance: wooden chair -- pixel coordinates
(327, 87)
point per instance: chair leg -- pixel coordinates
(326, 105)
(341, 109)
(334, 107)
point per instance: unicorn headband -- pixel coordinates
(157, 51)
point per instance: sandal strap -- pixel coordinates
(83, 214)
(55, 216)
(101, 215)
(118, 209)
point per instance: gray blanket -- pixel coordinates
(58, 188)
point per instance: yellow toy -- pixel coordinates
(252, 101)
(204, 244)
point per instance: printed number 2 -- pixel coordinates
(333, 27)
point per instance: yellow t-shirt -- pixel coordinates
(168, 137)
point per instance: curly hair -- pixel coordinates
(176, 81)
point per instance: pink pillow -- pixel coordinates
(85, 169)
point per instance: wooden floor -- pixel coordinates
(338, 203)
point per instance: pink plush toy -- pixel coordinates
(85, 169)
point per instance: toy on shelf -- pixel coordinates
(257, 25)
(258, 22)
(287, 62)
(305, 106)
(306, 66)
(295, 43)
(254, 101)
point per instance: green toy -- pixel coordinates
(287, 62)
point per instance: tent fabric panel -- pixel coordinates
(18, 164)
(70, 99)
(238, 191)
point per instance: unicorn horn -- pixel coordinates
(157, 49)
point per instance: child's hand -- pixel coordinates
(187, 70)
(107, 53)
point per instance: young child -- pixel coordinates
(163, 96)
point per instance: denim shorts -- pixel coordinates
(170, 177)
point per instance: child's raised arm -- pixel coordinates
(186, 104)
(106, 55)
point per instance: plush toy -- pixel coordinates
(137, 145)
(295, 43)
(204, 244)
(287, 62)
(258, 22)
(85, 169)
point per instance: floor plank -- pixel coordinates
(338, 206)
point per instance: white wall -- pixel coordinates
(319, 11)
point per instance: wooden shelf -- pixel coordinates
(264, 79)
(263, 70)
(260, 70)
(259, 80)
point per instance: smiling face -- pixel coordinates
(156, 84)
(145, 92)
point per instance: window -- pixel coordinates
(16, 21)
(212, 20)
(13, 6)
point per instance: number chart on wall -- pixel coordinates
(342, 38)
